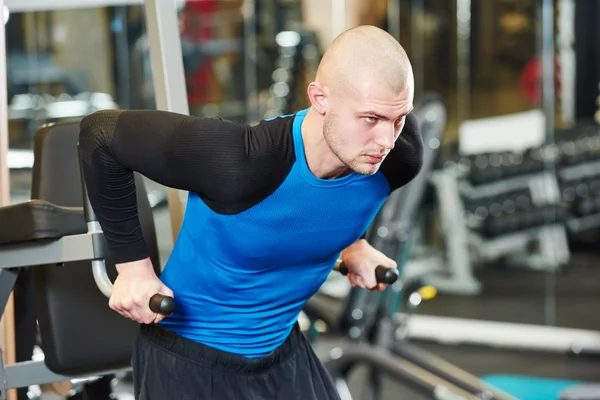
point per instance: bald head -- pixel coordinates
(365, 55)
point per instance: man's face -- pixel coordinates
(361, 126)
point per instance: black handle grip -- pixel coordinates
(382, 274)
(162, 304)
(386, 275)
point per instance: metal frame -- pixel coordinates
(29, 373)
(528, 337)
(44, 5)
(67, 249)
(7, 325)
(166, 61)
(341, 359)
(79, 247)
(170, 89)
(168, 76)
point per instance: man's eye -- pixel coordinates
(371, 120)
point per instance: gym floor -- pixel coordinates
(522, 296)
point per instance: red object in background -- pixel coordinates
(197, 19)
(530, 80)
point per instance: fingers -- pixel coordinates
(357, 280)
(352, 278)
(388, 262)
(136, 306)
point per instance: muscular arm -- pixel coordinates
(224, 162)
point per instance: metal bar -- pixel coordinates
(168, 75)
(28, 373)
(548, 104)
(496, 188)
(547, 49)
(463, 55)
(580, 171)
(449, 372)
(566, 52)
(527, 337)
(45, 5)
(372, 390)
(250, 59)
(338, 17)
(7, 324)
(2, 375)
(417, 38)
(8, 278)
(393, 18)
(350, 354)
(4, 176)
(67, 249)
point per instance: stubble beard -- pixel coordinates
(336, 144)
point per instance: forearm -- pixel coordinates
(111, 187)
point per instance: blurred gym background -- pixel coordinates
(507, 228)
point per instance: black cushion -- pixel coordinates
(80, 334)
(39, 220)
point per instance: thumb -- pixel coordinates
(387, 262)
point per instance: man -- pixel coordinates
(271, 208)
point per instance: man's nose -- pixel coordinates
(385, 136)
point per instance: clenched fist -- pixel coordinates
(135, 285)
(362, 259)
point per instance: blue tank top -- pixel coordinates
(240, 280)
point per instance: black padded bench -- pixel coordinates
(58, 239)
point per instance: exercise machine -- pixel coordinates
(371, 323)
(56, 235)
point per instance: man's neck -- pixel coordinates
(322, 162)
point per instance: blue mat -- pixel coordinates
(529, 387)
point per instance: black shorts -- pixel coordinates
(169, 367)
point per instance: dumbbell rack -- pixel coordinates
(467, 236)
(579, 179)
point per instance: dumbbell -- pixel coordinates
(572, 153)
(512, 164)
(486, 168)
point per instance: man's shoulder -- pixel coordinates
(405, 160)
(263, 159)
(281, 124)
(272, 136)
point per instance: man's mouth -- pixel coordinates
(374, 158)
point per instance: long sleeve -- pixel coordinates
(226, 163)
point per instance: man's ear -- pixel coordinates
(317, 97)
